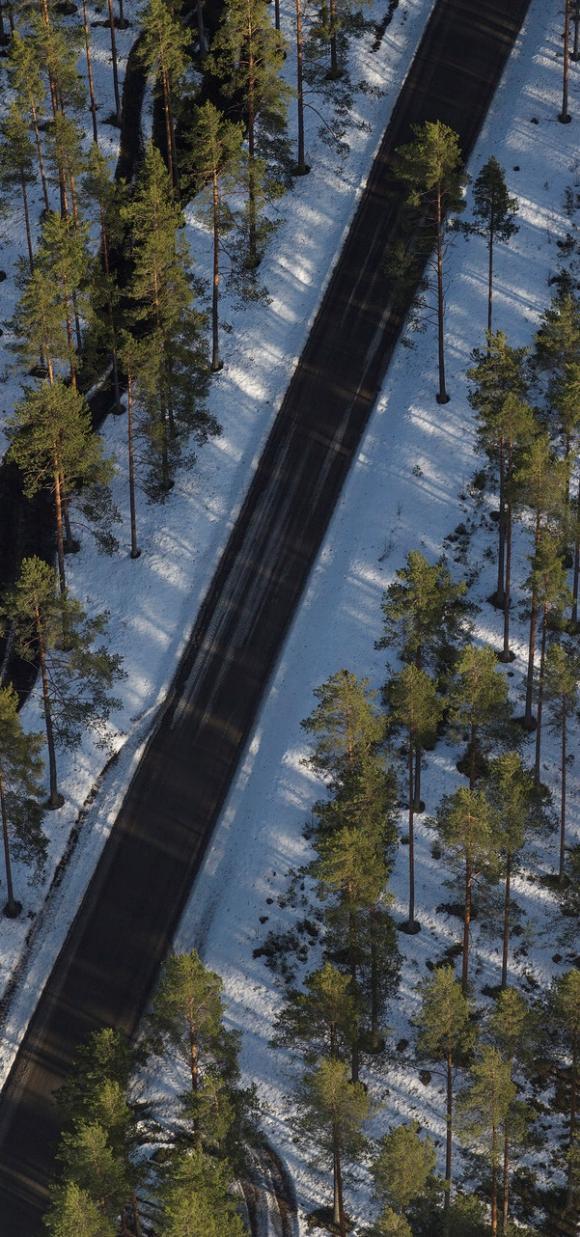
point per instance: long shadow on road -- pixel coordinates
(110, 960)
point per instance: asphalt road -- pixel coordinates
(110, 960)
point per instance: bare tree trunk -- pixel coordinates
(466, 927)
(216, 362)
(411, 833)
(169, 134)
(12, 908)
(506, 1181)
(58, 511)
(529, 721)
(338, 1203)
(506, 920)
(494, 1182)
(575, 55)
(114, 63)
(135, 551)
(90, 78)
(490, 269)
(252, 220)
(334, 69)
(300, 164)
(27, 224)
(563, 773)
(572, 1171)
(506, 654)
(442, 396)
(576, 562)
(352, 936)
(449, 1131)
(55, 800)
(540, 704)
(203, 43)
(39, 155)
(564, 116)
(500, 590)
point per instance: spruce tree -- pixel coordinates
(478, 705)
(445, 1037)
(431, 169)
(247, 56)
(196, 1200)
(74, 1214)
(321, 1020)
(20, 774)
(173, 369)
(494, 212)
(333, 1110)
(540, 482)
(25, 77)
(562, 676)
(75, 676)
(497, 394)
(425, 614)
(402, 1167)
(346, 726)
(564, 1011)
(163, 51)
(509, 788)
(53, 444)
(485, 1106)
(17, 168)
(415, 706)
(468, 829)
(216, 160)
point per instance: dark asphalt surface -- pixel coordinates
(110, 960)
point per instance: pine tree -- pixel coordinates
(20, 773)
(509, 789)
(17, 164)
(75, 677)
(558, 354)
(415, 706)
(163, 51)
(425, 614)
(517, 426)
(547, 582)
(130, 353)
(445, 1036)
(46, 318)
(102, 192)
(497, 394)
(187, 1017)
(216, 157)
(468, 829)
(540, 482)
(173, 369)
(485, 1107)
(74, 1214)
(93, 106)
(101, 1133)
(196, 1200)
(25, 79)
(53, 444)
(402, 1167)
(565, 1020)
(346, 726)
(247, 56)
(321, 1020)
(562, 676)
(431, 168)
(511, 1027)
(478, 705)
(494, 211)
(333, 1110)
(116, 117)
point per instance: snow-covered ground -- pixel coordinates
(410, 487)
(153, 602)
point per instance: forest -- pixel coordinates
(381, 1035)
